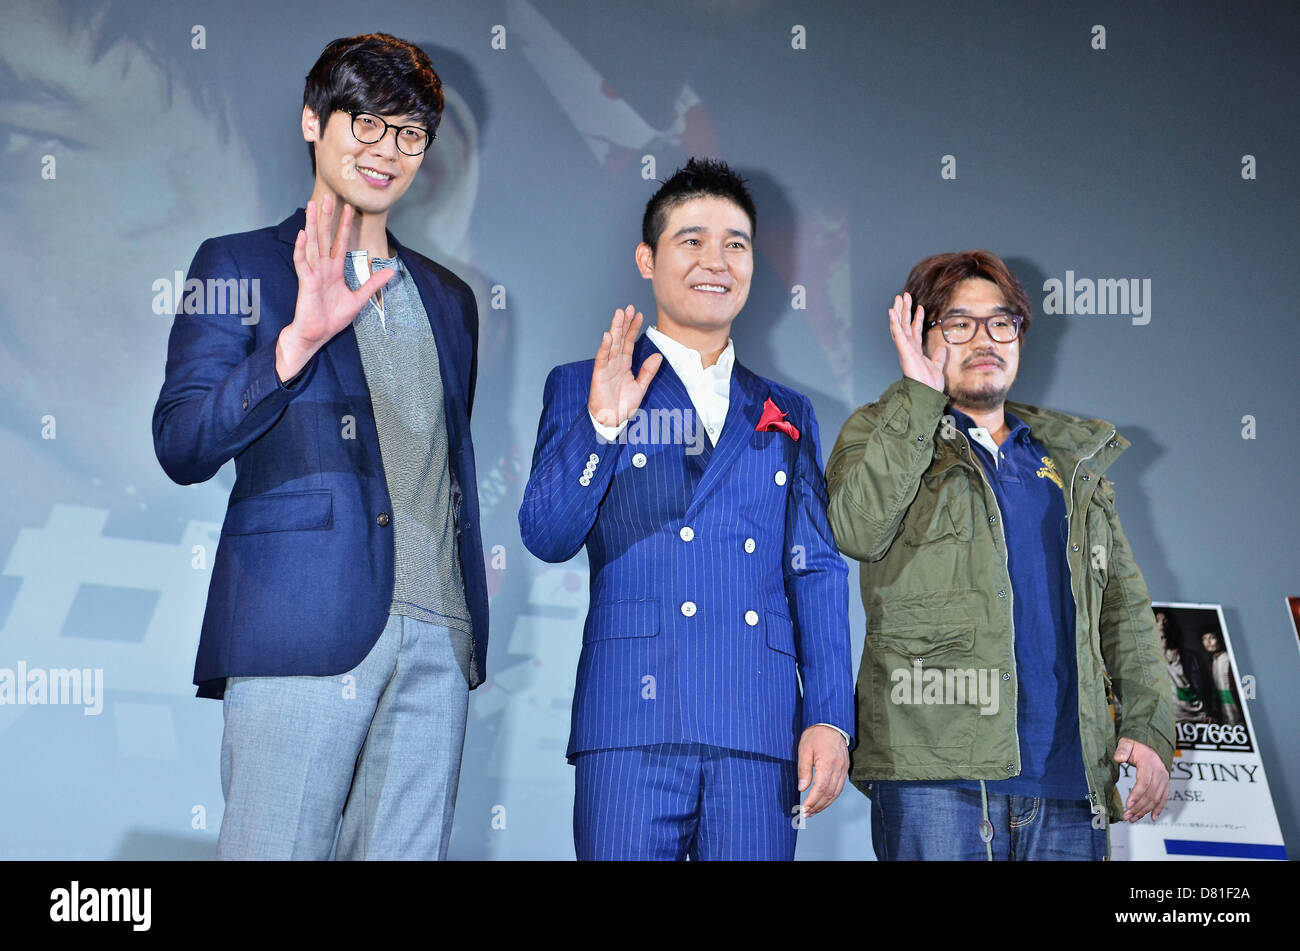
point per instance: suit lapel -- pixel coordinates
(287, 232)
(744, 409)
(668, 393)
(666, 390)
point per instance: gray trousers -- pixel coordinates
(362, 765)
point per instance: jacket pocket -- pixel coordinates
(780, 632)
(923, 692)
(280, 512)
(610, 620)
(941, 510)
(925, 643)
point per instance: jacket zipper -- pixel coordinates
(1011, 596)
(1087, 777)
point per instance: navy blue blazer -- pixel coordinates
(716, 585)
(302, 580)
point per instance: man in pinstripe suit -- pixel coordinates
(714, 684)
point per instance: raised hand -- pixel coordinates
(907, 333)
(615, 392)
(325, 302)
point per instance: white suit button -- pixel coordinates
(780, 477)
(584, 480)
(593, 458)
(749, 545)
(639, 460)
(688, 608)
(751, 618)
(687, 533)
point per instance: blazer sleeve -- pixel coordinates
(817, 590)
(220, 391)
(572, 469)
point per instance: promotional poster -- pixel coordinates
(1220, 806)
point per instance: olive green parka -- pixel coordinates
(912, 505)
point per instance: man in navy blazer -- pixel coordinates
(347, 615)
(716, 587)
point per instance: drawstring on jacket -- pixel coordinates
(986, 827)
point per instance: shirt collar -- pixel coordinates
(355, 258)
(686, 363)
(1018, 428)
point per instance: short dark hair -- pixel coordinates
(933, 280)
(701, 178)
(374, 72)
(1173, 629)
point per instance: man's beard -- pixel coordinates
(985, 396)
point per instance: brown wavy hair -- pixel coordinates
(933, 280)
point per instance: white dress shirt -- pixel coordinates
(709, 388)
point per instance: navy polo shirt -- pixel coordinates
(1031, 496)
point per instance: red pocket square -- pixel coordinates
(774, 420)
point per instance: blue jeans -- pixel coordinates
(369, 759)
(913, 821)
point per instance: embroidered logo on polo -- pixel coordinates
(1048, 471)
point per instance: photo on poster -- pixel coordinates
(1207, 693)
(1208, 712)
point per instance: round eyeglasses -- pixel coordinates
(962, 328)
(369, 128)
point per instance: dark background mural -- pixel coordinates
(1136, 165)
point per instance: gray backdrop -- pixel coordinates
(874, 136)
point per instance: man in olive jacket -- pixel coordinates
(1005, 614)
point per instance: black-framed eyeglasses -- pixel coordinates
(369, 128)
(962, 328)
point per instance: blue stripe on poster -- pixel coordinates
(1232, 850)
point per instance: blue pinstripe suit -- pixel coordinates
(716, 585)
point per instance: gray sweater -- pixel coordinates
(400, 360)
